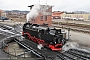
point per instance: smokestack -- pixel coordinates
(34, 12)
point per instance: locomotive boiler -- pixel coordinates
(48, 36)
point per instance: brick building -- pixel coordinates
(44, 16)
(2, 13)
(56, 14)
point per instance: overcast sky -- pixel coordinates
(59, 5)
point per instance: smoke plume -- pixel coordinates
(34, 12)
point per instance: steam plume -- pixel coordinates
(33, 13)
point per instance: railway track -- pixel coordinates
(47, 54)
(72, 54)
(74, 28)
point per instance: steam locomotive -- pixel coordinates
(48, 36)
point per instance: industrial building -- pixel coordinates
(70, 16)
(56, 14)
(84, 17)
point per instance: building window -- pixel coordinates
(41, 17)
(88, 17)
(70, 16)
(45, 18)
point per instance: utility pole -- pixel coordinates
(68, 33)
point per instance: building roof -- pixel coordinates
(57, 13)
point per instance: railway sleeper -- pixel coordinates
(64, 57)
(79, 55)
(80, 52)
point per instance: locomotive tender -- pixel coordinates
(48, 36)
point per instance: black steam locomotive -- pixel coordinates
(48, 36)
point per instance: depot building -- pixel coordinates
(71, 16)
